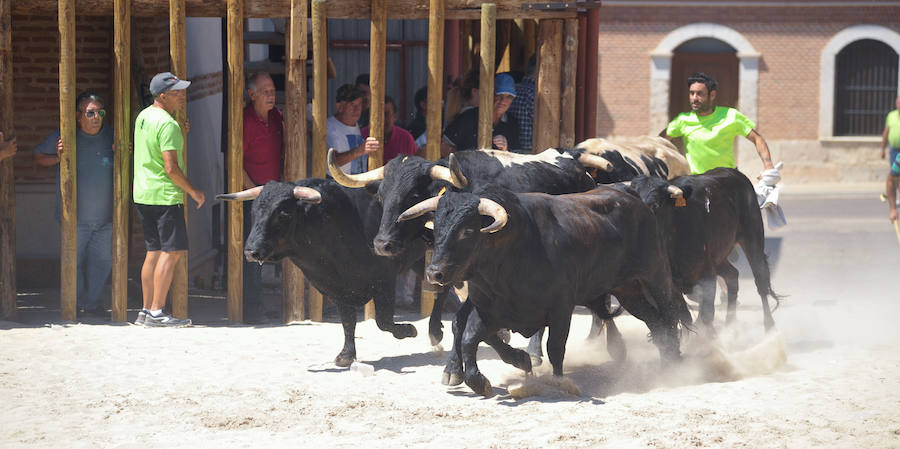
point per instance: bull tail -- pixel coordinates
(751, 237)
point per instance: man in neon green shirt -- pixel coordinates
(891, 135)
(708, 131)
(159, 186)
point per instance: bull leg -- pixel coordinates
(534, 347)
(475, 332)
(435, 327)
(556, 340)
(730, 274)
(515, 357)
(707, 288)
(384, 318)
(615, 344)
(348, 321)
(756, 255)
(453, 374)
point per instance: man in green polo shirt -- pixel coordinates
(708, 131)
(891, 136)
(159, 187)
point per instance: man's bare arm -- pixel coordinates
(762, 148)
(173, 170)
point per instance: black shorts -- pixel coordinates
(164, 228)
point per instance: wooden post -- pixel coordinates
(569, 72)
(436, 14)
(122, 175)
(177, 51)
(320, 116)
(547, 94)
(377, 50)
(235, 158)
(67, 170)
(293, 299)
(486, 71)
(7, 175)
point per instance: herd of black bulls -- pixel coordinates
(533, 235)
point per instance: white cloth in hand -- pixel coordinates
(767, 195)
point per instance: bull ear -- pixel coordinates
(307, 195)
(243, 195)
(493, 209)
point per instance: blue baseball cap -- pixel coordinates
(504, 84)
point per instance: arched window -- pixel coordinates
(865, 87)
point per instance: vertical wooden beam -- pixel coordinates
(67, 181)
(451, 52)
(466, 45)
(320, 116)
(567, 84)
(529, 37)
(377, 55)
(235, 158)
(7, 175)
(122, 176)
(177, 51)
(504, 43)
(436, 14)
(486, 71)
(592, 70)
(547, 94)
(580, 77)
(293, 300)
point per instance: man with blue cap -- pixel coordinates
(462, 133)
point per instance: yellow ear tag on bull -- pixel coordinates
(680, 202)
(429, 224)
(442, 192)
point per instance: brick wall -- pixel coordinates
(35, 42)
(789, 40)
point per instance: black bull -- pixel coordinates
(530, 258)
(718, 209)
(326, 230)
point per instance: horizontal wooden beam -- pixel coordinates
(336, 9)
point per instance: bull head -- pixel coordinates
(305, 194)
(486, 207)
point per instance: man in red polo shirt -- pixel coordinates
(397, 140)
(263, 162)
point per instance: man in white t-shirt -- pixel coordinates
(343, 133)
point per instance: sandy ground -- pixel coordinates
(827, 378)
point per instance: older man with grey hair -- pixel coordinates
(263, 162)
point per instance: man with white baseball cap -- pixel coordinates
(159, 186)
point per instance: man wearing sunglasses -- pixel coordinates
(94, 172)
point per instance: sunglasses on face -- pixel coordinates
(92, 113)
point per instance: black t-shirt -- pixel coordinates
(463, 131)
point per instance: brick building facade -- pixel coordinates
(785, 74)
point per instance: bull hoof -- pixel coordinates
(536, 360)
(451, 379)
(503, 335)
(480, 385)
(617, 351)
(436, 338)
(344, 361)
(405, 331)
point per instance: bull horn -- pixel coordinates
(492, 209)
(459, 179)
(353, 181)
(243, 195)
(307, 195)
(424, 207)
(594, 161)
(441, 173)
(674, 192)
